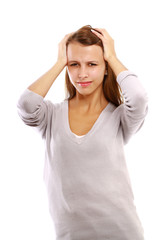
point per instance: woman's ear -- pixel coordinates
(106, 73)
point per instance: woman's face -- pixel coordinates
(85, 64)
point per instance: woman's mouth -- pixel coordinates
(84, 84)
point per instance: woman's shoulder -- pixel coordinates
(115, 111)
(58, 106)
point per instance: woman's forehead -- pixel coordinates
(77, 51)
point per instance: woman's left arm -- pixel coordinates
(135, 106)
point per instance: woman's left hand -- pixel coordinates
(109, 51)
(108, 43)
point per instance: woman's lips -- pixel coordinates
(84, 84)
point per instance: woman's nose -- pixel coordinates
(82, 73)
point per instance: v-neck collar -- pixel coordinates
(71, 135)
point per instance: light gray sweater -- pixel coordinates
(89, 189)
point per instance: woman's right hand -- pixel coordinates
(62, 54)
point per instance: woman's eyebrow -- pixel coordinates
(95, 61)
(91, 61)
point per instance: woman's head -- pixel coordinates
(86, 63)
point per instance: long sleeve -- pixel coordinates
(34, 111)
(135, 105)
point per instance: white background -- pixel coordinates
(30, 33)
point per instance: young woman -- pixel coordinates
(89, 189)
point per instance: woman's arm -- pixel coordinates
(43, 84)
(116, 65)
(32, 107)
(135, 107)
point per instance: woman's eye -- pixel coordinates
(92, 64)
(74, 64)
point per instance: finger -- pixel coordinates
(65, 38)
(100, 30)
(68, 35)
(98, 34)
(103, 32)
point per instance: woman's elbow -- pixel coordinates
(141, 102)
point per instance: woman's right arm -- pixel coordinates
(32, 107)
(42, 85)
